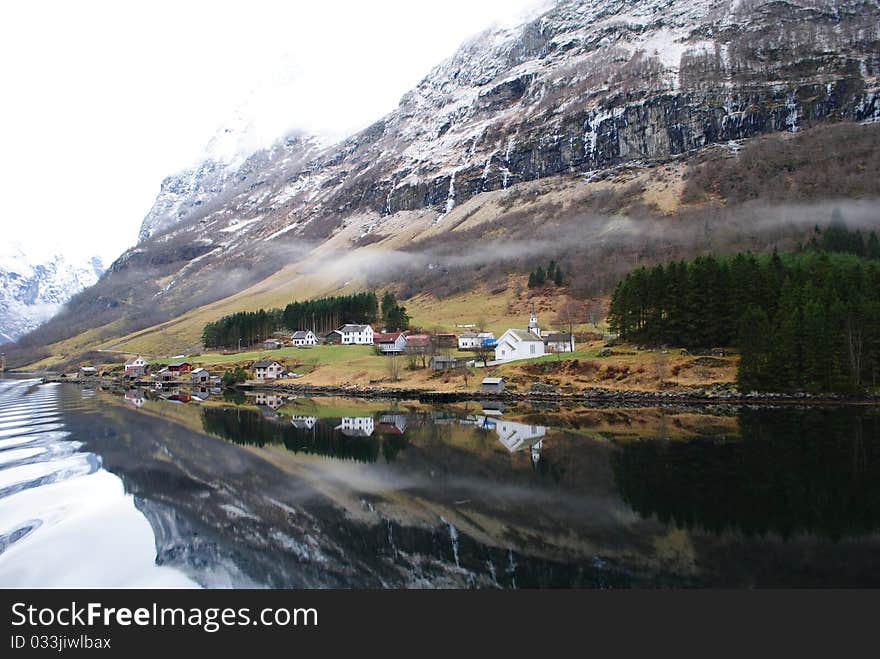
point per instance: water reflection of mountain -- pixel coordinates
(351, 440)
(814, 471)
(456, 508)
(226, 516)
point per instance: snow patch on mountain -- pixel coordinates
(34, 290)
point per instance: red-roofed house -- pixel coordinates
(389, 343)
(418, 343)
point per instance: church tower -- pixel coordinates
(533, 323)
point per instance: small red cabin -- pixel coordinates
(180, 367)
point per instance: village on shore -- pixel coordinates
(473, 349)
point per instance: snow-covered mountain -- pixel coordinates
(34, 290)
(586, 85)
(206, 186)
(595, 113)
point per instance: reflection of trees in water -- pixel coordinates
(234, 396)
(248, 427)
(793, 471)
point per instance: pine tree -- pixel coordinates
(389, 304)
(753, 338)
(540, 277)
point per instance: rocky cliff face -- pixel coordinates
(587, 86)
(203, 189)
(31, 293)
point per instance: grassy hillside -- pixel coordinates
(470, 266)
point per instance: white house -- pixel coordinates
(136, 367)
(268, 370)
(304, 338)
(357, 426)
(559, 342)
(356, 334)
(468, 341)
(201, 376)
(473, 340)
(519, 343)
(389, 343)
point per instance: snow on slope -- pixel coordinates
(34, 290)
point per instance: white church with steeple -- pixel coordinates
(521, 343)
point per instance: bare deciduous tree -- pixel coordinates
(594, 312)
(661, 362)
(484, 354)
(466, 374)
(570, 313)
(393, 366)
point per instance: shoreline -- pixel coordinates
(586, 396)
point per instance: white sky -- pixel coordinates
(102, 100)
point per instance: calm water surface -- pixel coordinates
(190, 489)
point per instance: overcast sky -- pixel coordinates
(102, 100)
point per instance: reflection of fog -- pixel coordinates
(357, 426)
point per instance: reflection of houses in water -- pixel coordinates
(513, 435)
(519, 436)
(536, 451)
(272, 401)
(357, 426)
(304, 422)
(135, 397)
(200, 394)
(392, 424)
(267, 412)
(493, 407)
(178, 396)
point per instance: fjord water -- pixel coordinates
(65, 521)
(186, 489)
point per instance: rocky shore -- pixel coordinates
(592, 395)
(624, 398)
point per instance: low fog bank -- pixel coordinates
(595, 250)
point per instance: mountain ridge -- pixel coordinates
(572, 100)
(33, 290)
